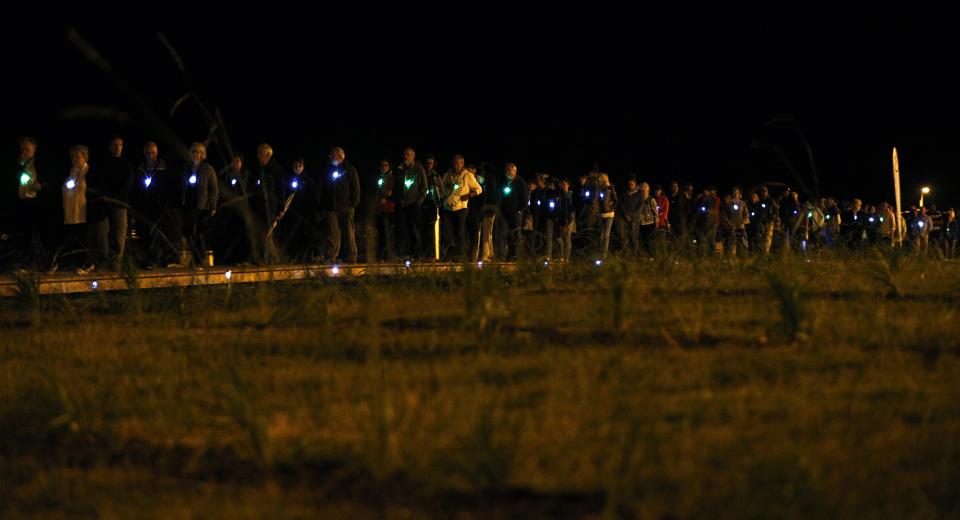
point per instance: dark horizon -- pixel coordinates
(661, 105)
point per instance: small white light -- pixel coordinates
(407, 263)
(193, 179)
(94, 285)
(588, 193)
(553, 204)
(480, 263)
(795, 212)
(380, 182)
(762, 205)
(598, 261)
(827, 217)
(258, 182)
(407, 183)
(870, 219)
(71, 184)
(335, 270)
(736, 207)
(546, 263)
(539, 202)
(854, 217)
(920, 224)
(336, 175)
(809, 214)
(294, 184)
(601, 194)
(147, 181)
(703, 209)
(233, 182)
(753, 214)
(881, 219)
(228, 275)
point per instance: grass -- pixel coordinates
(684, 388)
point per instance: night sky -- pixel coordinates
(707, 99)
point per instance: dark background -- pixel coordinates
(702, 96)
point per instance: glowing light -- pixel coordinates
(407, 183)
(335, 270)
(24, 178)
(920, 224)
(602, 194)
(507, 190)
(753, 214)
(809, 214)
(147, 181)
(94, 285)
(380, 182)
(407, 263)
(228, 275)
(827, 217)
(336, 175)
(587, 194)
(480, 263)
(553, 204)
(597, 262)
(803, 245)
(546, 263)
(881, 219)
(703, 209)
(925, 190)
(294, 184)
(193, 179)
(258, 182)
(854, 217)
(795, 212)
(71, 184)
(539, 202)
(233, 182)
(870, 219)
(736, 207)
(762, 205)
(456, 187)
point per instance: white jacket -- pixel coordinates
(456, 185)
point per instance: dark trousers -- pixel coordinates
(509, 238)
(409, 224)
(386, 248)
(198, 229)
(454, 226)
(339, 231)
(428, 219)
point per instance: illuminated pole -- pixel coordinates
(923, 191)
(896, 191)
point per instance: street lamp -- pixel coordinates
(923, 191)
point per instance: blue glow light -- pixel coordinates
(147, 181)
(71, 184)
(233, 182)
(193, 179)
(294, 184)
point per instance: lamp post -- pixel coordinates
(923, 191)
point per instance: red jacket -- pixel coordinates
(663, 209)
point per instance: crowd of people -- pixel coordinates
(267, 213)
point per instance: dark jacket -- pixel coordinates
(200, 188)
(513, 196)
(339, 188)
(267, 189)
(411, 185)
